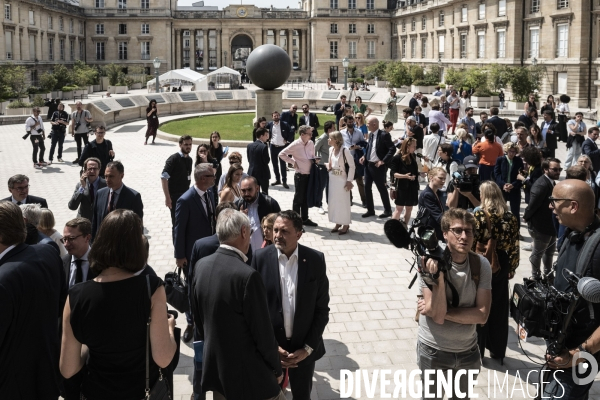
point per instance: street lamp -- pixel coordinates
(156, 63)
(345, 63)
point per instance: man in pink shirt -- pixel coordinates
(301, 152)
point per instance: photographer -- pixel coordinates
(35, 130)
(80, 127)
(59, 121)
(99, 148)
(573, 203)
(447, 338)
(458, 193)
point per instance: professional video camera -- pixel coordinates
(421, 240)
(543, 311)
(464, 182)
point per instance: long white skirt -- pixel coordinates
(339, 200)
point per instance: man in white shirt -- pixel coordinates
(76, 238)
(34, 125)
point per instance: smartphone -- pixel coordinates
(226, 149)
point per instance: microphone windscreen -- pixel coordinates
(396, 233)
(589, 288)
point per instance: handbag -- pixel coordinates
(176, 289)
(393, 194)
(160, 390)
(488, 250)
(346, 166)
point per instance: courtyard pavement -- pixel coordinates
(371, 322)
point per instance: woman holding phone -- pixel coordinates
(152, 118)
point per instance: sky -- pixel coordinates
(257, 3)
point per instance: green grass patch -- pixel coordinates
(229, 126)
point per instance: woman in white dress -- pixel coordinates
(463, 104)
(340, 183)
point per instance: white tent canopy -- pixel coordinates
(175, 75)
(223, 78)
(224, 70)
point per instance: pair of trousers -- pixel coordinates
(360, 183)
(174, 198)
(542, 251)
(445, 362)
(376, 175)
(573, 154)
(78, 138)
(57, 138)
(514, 199)
(299, 203)
(485, 172)
(454, 118)
(277, 163)
(37, 141)
(264, 186)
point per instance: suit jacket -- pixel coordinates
(31, 200)
(66, 260)
(590, 148)
(240, 351)
(551, 134)
(338, 110)
(32, 296)
(526, 120)
(128, 199)
(92, 150)
(384, 149)
(313, 122)
(257, 153)
(499, 124)
(291, 120)
(83, 200)
(501, 173)
(538, 215)
(429, 200)
(413, 103)
(191, 221)
(286, 131)
(312, 299)
(266, 205)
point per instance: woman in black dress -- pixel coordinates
(261, 122)
(404, 173)
(110, 315)
(152, 118)
(530, 103)
(216, 153)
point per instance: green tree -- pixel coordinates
(114, 74)
(84, 75)
(477, 78)
(13, 80)
(455, 77)
(376, 70)
(498, 76)
(416, 73)
(523, 80)
(63, 76)
(397, 74)
(48, 82)
(351, 71)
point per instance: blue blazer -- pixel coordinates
(501, 172)
(191, 222)
(129, 199)
(286, 131)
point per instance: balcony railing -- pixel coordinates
(371, 56)
(145, 56)
(326, 12)
(352, 55)
(132, 12)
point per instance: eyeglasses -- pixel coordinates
(69, 239)
(21, 188)
(554, 199)
(93, 169)
(100, 133)
(459, 231)
(555, 169)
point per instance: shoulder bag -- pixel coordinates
(346, 166)
(488, 250)
(176, 290)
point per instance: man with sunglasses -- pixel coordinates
(311, 120)
(539, 218)
(87, 188)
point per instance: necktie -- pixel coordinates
(79, 272)
(111, 204)
(91, 193)
(19, 203)
(209, 212)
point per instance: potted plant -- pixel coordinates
(477, 78)
(428, 82)
(19, 107)
(397, 75)
(522, 81)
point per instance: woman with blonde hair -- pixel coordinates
(404, 172)
(462, 148)
(431, 199)
(46, 226)
(361, 123)
(267, 227)
(497, 235)
(341, 173)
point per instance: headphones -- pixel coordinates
(578, 237)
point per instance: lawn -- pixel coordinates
(230, 126)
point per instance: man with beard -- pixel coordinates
(177, 175)
(470, 122)
(280, 135)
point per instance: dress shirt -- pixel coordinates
(352, 139)
(94, 184)
(228, 247)
(438, 117)
(201, 194)
(373, 156)
(115, 194)
(256, 240)
(470, 122)
(307, 119)
(302, 153)
(9, 248)
(454, 106)
(276, 136)
(288, 273)
(85, 268)
(31, 122)
(165, 174)
(545, 129)
(24, 201)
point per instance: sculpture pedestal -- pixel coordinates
(268, 101)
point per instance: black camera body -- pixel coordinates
(464, 182)
(77, 125)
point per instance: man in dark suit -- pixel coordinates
(499, 123)
(33, 291)
(77, 234)
(299, 308)
(115, 195)
(98, 148)
(506, 171)
(539, 218)
(280, 135)
(258, 158)
(194, 219)
(549, 129)
(338, 110)
(311, 120)
(590, 148)
(87, 188)
(18, 186)
(483, 116)
(378, 154)
(229, 302)
(291, 118)
(526, 117)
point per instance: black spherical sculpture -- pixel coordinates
(268, 66)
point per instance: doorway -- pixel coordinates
(241, 47)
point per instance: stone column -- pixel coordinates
(276, 36)
(304, 49)
(263, 37)
(267, 101)
(193, 49)
(25, 50)
(3, 44)
(206, 52)
(219, 50)
(290, 47)
(17, 45)
(177, 48)
(39, 52)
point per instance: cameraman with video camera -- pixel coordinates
(453, 304)
(573, 204)
(463, 189)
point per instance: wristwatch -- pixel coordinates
(581, 349)
(308, 349)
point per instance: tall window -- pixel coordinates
(535, 6)
(413, 25)
(371, 28)
(72, 50)
(145, 29)
(50, 23)
(534, 42)
(563, 4)
(403, 52)
(51, 49)
(562, 49)
(463, 14)
(145, 4)
(81, 50)
(333, 28)
(370, 49)
(351, 4)
(122, 29)
(122, 50)
(99, 29)
(394, 49)
(212, 49)
(403, 26)
(351, 49)
(99, 3)
(32, 55)
(80, 28)
(71, 26)
(441, 18)
(423, 47)
(481, 10)
(481, 44)
(333, 4)
(122, 4)
(501, 8)
(9, 45)
(61, 47)
(333, 49)
(501, 43)
(271, 36)
(145, 50)
(463, 45)
(413, 48)
(7, 12)
(61, 26)
(370, 4)
(351, 28)
(186, 43)
(424, 23)
(441, 46)
(31, 17)
(100, 51)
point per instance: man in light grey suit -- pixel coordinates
(87, 187)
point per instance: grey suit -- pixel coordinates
(83, 201)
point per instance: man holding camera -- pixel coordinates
(79, 127)
(447, 337)
(459, 195)
(59, 121)
(35, 130)
(572, 202)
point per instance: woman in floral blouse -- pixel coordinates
(504, 228)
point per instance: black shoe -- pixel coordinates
(76, 161)
(308, 222)
(386, 214)
(363, 205)
(275, 183)
(285, 185)
(368, 214)
(188, 334)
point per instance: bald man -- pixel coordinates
(573, 203)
